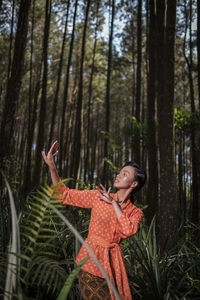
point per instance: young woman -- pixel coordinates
(113, 217)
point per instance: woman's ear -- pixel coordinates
(134, 184)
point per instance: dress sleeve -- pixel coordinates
(129, 224)
(80, 198)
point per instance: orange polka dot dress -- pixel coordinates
(105, 234)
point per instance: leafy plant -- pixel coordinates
(172, 275)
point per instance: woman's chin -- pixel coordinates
(116, 185)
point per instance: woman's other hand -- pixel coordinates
(49, 158)
(104, 195)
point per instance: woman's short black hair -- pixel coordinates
(140, 176)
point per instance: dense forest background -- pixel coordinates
(111, 81)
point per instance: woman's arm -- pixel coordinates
(83, 198)
(49, 159)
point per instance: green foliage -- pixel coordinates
(41, 234)
(139, 126)
(114, 167)
(70, 279)
(186, 122)
(172, 275)
(114, 141)
(44, 260)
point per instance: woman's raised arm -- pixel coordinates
(49, 159)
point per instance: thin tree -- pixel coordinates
(138, 83)
(194, 157)
(55, 101)
(165, 78)
(152, 191)
(11, 40)
(89, 127)
(27, 177)
(78, 124)
(7, 144)
(198, 47)
(42, 116)
(107, 100)
(65, 94)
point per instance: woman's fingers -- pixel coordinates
(103, 188)
(44, 155)
(104, 198)
(54, 148)
(100, 190)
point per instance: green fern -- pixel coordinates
(70, 279)
(41, 231)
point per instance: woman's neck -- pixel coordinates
(122, 198)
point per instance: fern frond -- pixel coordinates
(70, 279)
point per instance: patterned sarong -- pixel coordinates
(93, 287)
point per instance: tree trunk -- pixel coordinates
(54, 109)
(152, 190)
(65, 95)
(41, 127)
(78, 124)
(7, 144)
(138, 84)
(194, 157)
(104, 177)
(89, 127)
(11, 41)
(198, 47)
(27, 177)
(165, 78)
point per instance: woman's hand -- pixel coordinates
(49, 158)
(104, 195)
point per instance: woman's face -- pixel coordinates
(125, 178)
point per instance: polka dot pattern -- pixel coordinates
(106, 226)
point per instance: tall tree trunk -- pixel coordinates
(152, 191)
(7, 144)
(198, 47)
(104, 178)
(41, 127)
(194, 157)
(89, 127)
(54, 109)
(27, 177)
(138, 83)
(78, 124)
(65, 95)
(165, 78)
(11, 40)
(133, 81)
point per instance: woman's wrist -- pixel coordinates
(112, 200)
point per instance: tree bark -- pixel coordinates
(55, 101)
(65, 95)
(89, 127)
(152, 190)
(194, 156)
(7, 144)
(104, 177)
(165, 79)
(138, 83)
(78, 124)
(198, 47)
(11, 40)
(42, 117)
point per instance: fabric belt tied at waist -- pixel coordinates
(119, 277)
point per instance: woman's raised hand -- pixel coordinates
(104, 195)
(49, 158)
